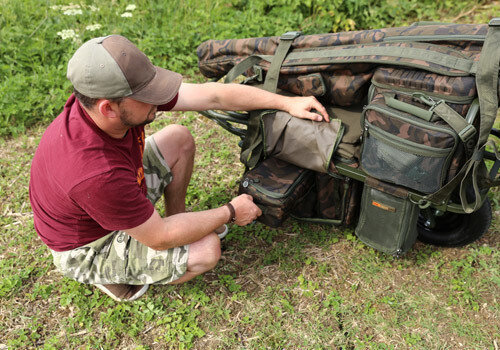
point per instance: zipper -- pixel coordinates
(463, 37)
(404, 145)
(408, 118)
(408, 92)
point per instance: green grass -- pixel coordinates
(302, 286)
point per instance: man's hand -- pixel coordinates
(301, 107)
(245, 210)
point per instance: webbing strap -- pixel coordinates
(477, 169)
(252, 144)
(441, 195)
(487, 89)
(252, 147)
(286, 40)
(487, 80)
(242, 67)
(464, 130)
(322, 56)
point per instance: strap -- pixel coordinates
(392, 102)
(324, 56)
(464, 130)
(252, 143)
(494, 179)
(286, 40)
(242, 67)
(477, 169)
(471, 173)
(251, 148)
(441, 196)
(487, 80)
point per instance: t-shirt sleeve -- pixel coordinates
(168, 106)
(114, 200)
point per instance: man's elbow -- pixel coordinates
(162, 243)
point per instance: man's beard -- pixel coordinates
(126, 120)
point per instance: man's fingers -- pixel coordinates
(259, 212)
(321, 109)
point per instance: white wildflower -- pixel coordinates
(72, 12)
(55, 7)
(70, 7)
(93, 27)
(131, 7)
(93, 8)
(68, 34)
(126, 14)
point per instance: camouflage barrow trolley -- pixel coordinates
(412, 108)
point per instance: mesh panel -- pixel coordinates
(384, 162)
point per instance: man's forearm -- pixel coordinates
(238, 97)
(245, 98)
(242, 97)
(186, 228)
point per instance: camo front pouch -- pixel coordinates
(401, 148)
(419, 127)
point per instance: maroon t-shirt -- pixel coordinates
(84, 183)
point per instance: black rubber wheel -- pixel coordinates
(447, 229)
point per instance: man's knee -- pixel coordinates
(175, 139)
(204, 254)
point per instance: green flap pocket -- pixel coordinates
(305, 143)
(387, 223)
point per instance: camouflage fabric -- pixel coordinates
(405, 150)
(345, 77)
(334, 199)
(412, 132)
(119, 258)
(217, 57)
(458, 92)
(276, 187)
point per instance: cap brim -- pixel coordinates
(161, 89)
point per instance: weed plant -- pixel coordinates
(302, 286)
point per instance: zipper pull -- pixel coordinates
(248, 181)
(245, 182)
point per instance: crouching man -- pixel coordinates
(95, 177)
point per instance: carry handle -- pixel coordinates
(408, 108)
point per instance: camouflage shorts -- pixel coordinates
(119, 258)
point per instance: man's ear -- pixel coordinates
(107, 108)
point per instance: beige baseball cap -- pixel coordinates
(113, 67)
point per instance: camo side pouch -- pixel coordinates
(387, 222)
(276, 187)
